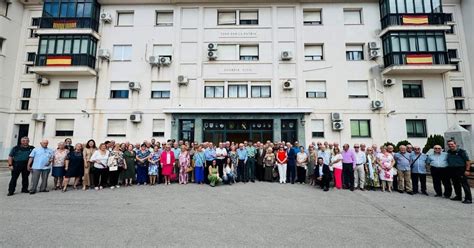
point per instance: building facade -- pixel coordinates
(348, 71)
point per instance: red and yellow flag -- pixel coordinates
(58, 61)
(419, 59)
(64, 24)
(415, 20)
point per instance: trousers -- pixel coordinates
(282, 172)
(404, 181)
(348, 175)
(251, 168)
(359, 176)
(460, 181)
(415, 177)
(19, 168)
(441, 176)
(35, 177)
(243, 171)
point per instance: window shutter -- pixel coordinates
(118, 85)
(313, 50)
(249, 15)
(352, 17)
(354, 48)
(317, 125)
(358, 88)
(227, 17)
(160, 86)
(316, 86)
(68, 85)
(116, 127)
(64, 125)
(312, 16)
(164, 17)
(125, 19)
(163, 50)
(158, 125)
(248, 50)
(227, 52)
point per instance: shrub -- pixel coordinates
(432, 141)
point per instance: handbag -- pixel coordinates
(189, 169)
(394, 171)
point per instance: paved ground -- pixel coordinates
(250, 215)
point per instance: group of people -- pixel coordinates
(361, 167)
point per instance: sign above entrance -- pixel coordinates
(238, 34)
(236, 70)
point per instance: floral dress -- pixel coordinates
(153, 167)
(385, 171)
(372, 177)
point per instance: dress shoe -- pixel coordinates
(10, 193)
(410, 193)
(400, 191)
(467, 202)
(352, 189)
(425, 193)
(32, 192)
(457, 198)
(437, 195)
(25, 191)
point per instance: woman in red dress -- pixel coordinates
(167, 161)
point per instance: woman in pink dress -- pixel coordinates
(167, 161)
(385, 163)
(336, 165)
(184, 163)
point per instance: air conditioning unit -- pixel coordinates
(335, 116)
(106, 17)
(373, 54)
(104, 54)
(183, 80)
(212, 46)
(38, 117)
(134, 86)
(388, 82)
(337, 125)
(377, 104)
(154, 60)
(212, 55)
(373, 45)
(165, 61)
(288, 85)
(136, 118)
(286, 55)
(42, 81)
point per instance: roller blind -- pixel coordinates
(312, 16)
(248, 50)
(164, 17)
(354, 48)
(116, 126)
(313, 50)
(64, 125)
(125, 19)
(358, 88)
(352, 17)
(227, 17)
(317, 125)
(158, 125)
(316, 86)
(248, 15)
(227, 52)
(166, 50)
(160, 86)
(68, 85)
(118, 85)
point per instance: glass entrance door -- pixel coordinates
(237, 130)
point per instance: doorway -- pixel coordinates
(237, 130)
(22, 132)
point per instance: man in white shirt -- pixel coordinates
(359, 171)
(221, 154)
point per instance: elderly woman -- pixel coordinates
(116, 157)
(336, 165)
(142, 162)
(59, 159)
(154, 162)
(385, 162)
(88, 151)
(312, 160)
(268, 163)
(184, 164)
(199, 161)
(371, 170)
(281, 161)
(214, 177)
(129, 172)
(100, 158)
(301, 164)
(167, 161)
(74, 166)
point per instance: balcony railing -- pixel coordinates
(70, 23)
(65, 60)
(415, 19)
(416, 58)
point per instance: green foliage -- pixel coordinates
(432, 141)
(402, 143)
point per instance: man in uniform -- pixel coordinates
(18, 165)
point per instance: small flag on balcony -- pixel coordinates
(64, 24)
(415, 20)
(419, 59)
(58, 61)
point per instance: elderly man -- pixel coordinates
(438, 161)
(410, 149)
(403, 160)
(209, 155)
(18, 165)
(418, 171)
(251, 153)
(39, 163)
(259, 170)
(359, 171)
(459, 167)
(291, 164)
(221, 154)
(242, 163)
(348, 165)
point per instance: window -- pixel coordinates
(158, 128)
(237, 91)
(261, 91)
(227, 18)
(453, 53)
(26, 93)
(315, 89)
(64, 127)
(249, 53)
(124, 18)
(459, 104)
(354, 52)
(160, 90)
(84, 45)
(451, 29)
(30, 57)
(317, 128)
(2, 44)
(119, 90)
(312, 17)
(352, 17)
(457, 91)
(33, 33)
(358, 89)
(35, 21)
(416, 128)
(68, 90)
(412, 89)
(214, 91)
(227, 52)
(122, 53)
(116, 127)
(360, 128)
(70, 8)
(25, 104)
(313, 52)
(4, 5)
(163, 50)
(248, 18)
(164, 18)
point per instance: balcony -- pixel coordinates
(397, 63)
(412, 22)
(65, 65)
(73, 25)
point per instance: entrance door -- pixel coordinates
(22, 132)
(186, 130)
(237, 130)
(289, 130)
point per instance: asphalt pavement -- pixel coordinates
(242, 215)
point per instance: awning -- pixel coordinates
(238, 110)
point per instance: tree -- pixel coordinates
(402, 143)
(432, 141)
